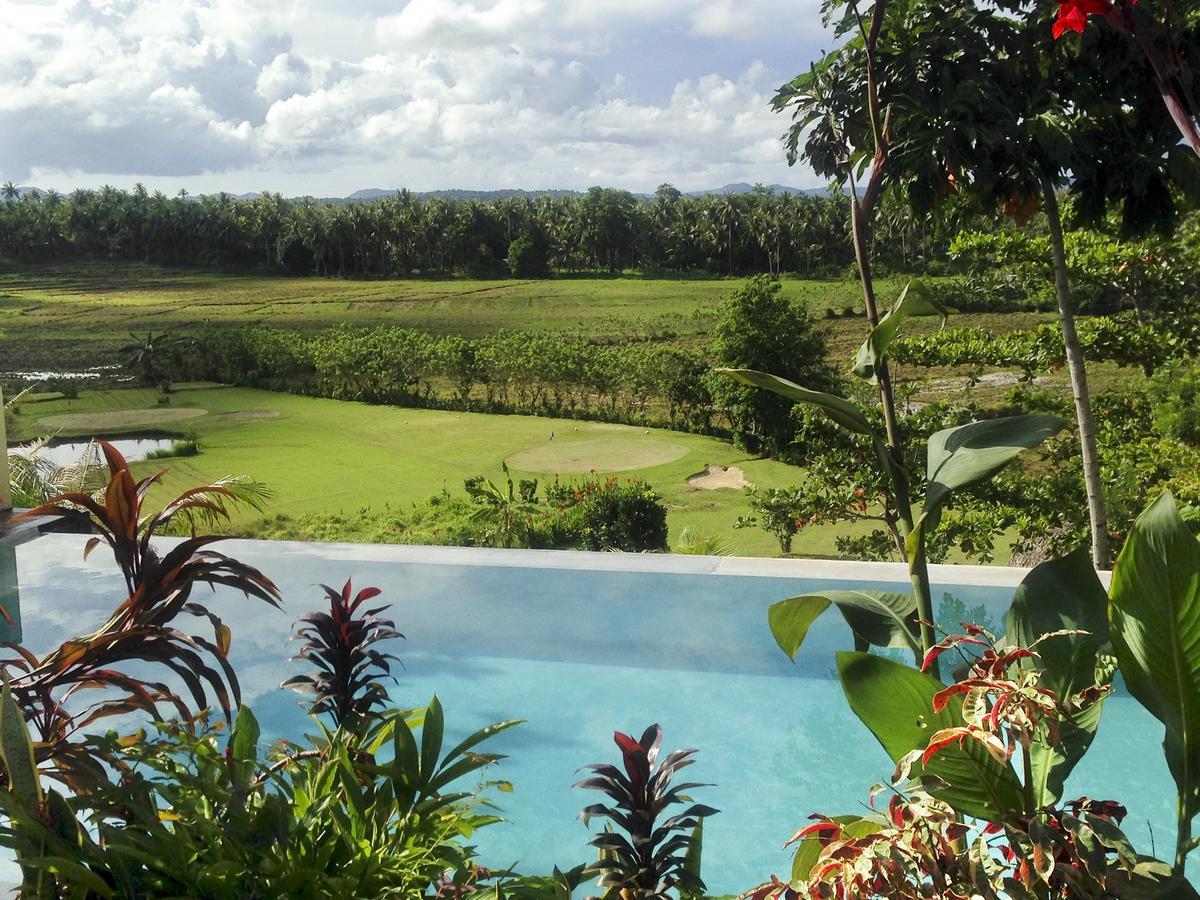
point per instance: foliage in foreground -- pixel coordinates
(961, 821)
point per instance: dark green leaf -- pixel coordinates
(1155, 628)
(881, 618)
(1062, 595)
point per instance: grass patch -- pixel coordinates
(327, 457)
(107, 422)
(89, 309)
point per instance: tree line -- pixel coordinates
(402, 234)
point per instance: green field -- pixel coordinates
(322, 456)
(70, 317)
(327, 456)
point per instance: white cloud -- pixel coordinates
(726, 19)
(322, 97)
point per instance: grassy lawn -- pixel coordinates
(331, 456)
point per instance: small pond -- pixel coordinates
(71, 452)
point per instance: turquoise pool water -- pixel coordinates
(578, 653)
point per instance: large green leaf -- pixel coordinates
(243, 744)
(970, 454)
(837, 408)
(895, 701)
(915, 300)
(973, 453)
(881, 618)
(1154, 621)
(1063, 595)
(16, 752)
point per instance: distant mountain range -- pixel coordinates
(740, 187)
(369, 194)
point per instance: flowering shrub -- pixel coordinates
(608, 515)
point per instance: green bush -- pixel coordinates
(761, 329)
(525, 258)
(609, 515)
(1175, 392)
(183, 447)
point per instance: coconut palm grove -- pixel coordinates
(587, 512)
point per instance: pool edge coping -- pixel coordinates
(661, 563)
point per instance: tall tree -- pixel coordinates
(982, 103)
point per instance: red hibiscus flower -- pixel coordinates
(1072, 14)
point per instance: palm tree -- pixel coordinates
(10, 192)
(150, 357)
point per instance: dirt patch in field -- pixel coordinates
(608, 454)
(100, 422)
(247, 415)
(714, 478)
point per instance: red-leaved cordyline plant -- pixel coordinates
(651, 858)
(922, 848)
(141, 628)
(346, 685)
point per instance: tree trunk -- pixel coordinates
(1079, 383)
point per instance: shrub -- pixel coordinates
(525, 258)
(347, 684)
(184, 447)
(1175, 393)
(609, 515)
(653, 856)
(761, 329)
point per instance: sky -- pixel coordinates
(325, 97)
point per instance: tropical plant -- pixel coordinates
(653, 856)
(142, 628)
(191, 814)
(695, 543)
(34, 478)
(150, 358)
(506, 512)
(347, 684)
(957, 458)
(962, 818)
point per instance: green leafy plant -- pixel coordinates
(506, 512)
(957, 458)
(608, 515)
(653, 856)
(1155, 623)
(189, 814)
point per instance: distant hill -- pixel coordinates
(366, 195)
(742, 187)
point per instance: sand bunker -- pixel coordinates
(714, 478)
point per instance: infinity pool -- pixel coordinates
(581, 644)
